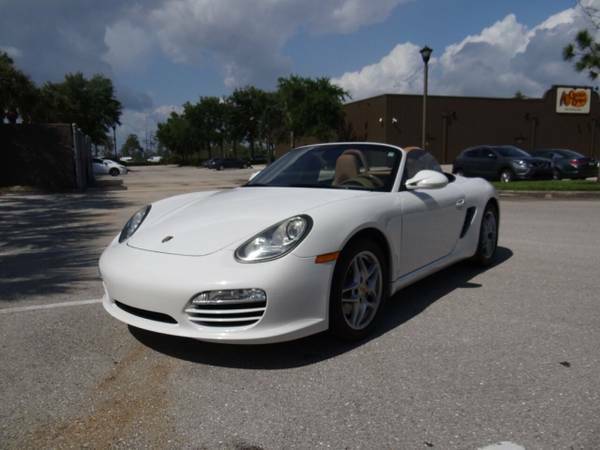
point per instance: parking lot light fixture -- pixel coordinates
(425, 55)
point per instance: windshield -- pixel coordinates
(336, 166)
(512, 152)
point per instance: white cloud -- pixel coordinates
(502, 59)
(144, 122)
(128, 46)
(245, 37)
(11, 51)
(396, 72)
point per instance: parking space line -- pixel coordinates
(17, 309)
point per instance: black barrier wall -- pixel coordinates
(49, 156)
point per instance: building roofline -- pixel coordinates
(476, 97)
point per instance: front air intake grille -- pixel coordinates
(150, 315)
(226, 313)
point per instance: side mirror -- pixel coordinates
(253, 175)
(427, 179)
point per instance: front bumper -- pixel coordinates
(297, 292)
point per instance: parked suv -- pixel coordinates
(569, 164)
(503, 162)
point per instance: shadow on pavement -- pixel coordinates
(47, 241)
(402, 307)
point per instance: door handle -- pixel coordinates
(460, 203)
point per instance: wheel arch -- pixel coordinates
(375, 234)
(493, 201)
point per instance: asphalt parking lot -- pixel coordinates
(464, 359)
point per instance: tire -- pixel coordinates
(353, 312)
(114, 171)
(221, 168)
(488, 237)
(507, 175)
(556, 175)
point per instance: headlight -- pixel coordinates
(134, 223)
(520, 163)
(276, 241)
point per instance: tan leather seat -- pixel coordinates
(346, 167)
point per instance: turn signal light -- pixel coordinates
(327, 257)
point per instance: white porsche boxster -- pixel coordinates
(318, 240)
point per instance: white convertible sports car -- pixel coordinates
(318, 240)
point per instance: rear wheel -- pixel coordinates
(488, 236)
(358, 291)
(556, 174)
(114, 171)
(507, 175)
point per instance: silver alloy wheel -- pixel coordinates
(505, 176)
(362, 290)
(489, 234)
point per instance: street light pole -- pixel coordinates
(115, 140)
(425, 54)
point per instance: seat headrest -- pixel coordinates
(346, 167)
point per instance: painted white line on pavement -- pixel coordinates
(17, 309)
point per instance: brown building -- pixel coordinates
(454, 123)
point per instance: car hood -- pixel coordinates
(208, 223)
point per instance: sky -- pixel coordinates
(162, 53)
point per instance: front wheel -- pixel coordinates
(506, 176)
(488, 237)
(358, 291)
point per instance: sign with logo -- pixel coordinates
(573, 100)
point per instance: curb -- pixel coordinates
(550, 195)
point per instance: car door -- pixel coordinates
(99, 166)
(476, 162)
(431, 218)
(489, 162)
(468, 161)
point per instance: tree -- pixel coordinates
(18, 94)
(176, 135)
(519, 95)
(585, 51)
(132, 146)
(271, 122)
(90, 103)
(247, 107)
(312, 107)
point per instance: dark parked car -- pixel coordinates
(503, 162)
(226, 163)
(569, 164)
